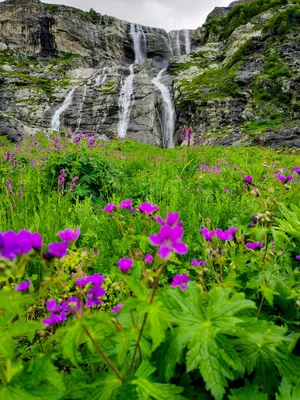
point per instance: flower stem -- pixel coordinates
(103, 354)
(137, 346)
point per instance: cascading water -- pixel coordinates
(177, 43)
(55, 122)
(139, 43)
(81, 108)
(168, 118)
(187, 41)
(101, 78)
(125, 103)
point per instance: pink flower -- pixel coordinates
(198, 263)
(248, 179)
(125, 264)
(255, 245)
(57, 250)
(298, 258)
(55, 319)
(148, 259)
(284, 179)
(172, 220)
(22, 286)
(207, 234)
(116, 309)
(109, 208)
(168, 239)
(126, 204)
(68, 235)
(181, 281)
(148, 208)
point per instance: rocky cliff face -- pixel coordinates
(48, 50)
(241, 86)
(238, 84)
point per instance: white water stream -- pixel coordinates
(187, 41)
(55, 122)
(168, 117)
(125, 103)
(139, 43)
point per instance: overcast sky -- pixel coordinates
(167, 14)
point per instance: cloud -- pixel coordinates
(167, 14)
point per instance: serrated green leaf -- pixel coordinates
(249, 392)
(157, 391)
(145, 370)
(288, 391)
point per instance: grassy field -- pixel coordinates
(231, 327)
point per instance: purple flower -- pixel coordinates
(61, 180)
(22, 286)
(125, 264)
(68, 235)
(226, 235)
(84, 280)
(198, 263)
(255, 219)
(172, 220)
(52, 306)
(148, 208)
(297, 169)
(168, 239)
(126, 204)
(298, 258)
(255, 245)
(226, 190)
(55, 319)
(207, 234)
(9, 186)
(284, 179)
(56, 139)
(148, 259)
(116, 309)
(248, 179)
(71, 305)
(109, 208)
(181, 281)
(74, 180)
(57, 250)
(93, 296)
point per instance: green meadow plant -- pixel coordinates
(179, 277)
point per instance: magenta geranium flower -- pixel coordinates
(126, 204)
(68, 235)
(148, 259)
(116, 309)
(207, 234)
(254, 245)
(181, 281)
(198, 263)
(71, 305)
(55, 319)
(57, 250)
(148, 208)
(52, 306)
(297, 169)
(109, 208)
(298, 258)
(125, 264)
(93, 296)
(172, 220)
(226, 235)
(248, 179)
(284, 179)
(168, 239)
(36, 241)
(22, 286)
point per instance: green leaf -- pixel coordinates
(288, 391)
(159, 321)
(203, 322)
(249, 392)
(16, 393)
(157, 391)
(145, 370)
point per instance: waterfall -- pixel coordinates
(125, 103)
(55, 122)
(187, 41)
(168, 118)
(168, 44)
(139, 43)
(177, 43)
(101, 78)
(81, 108)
